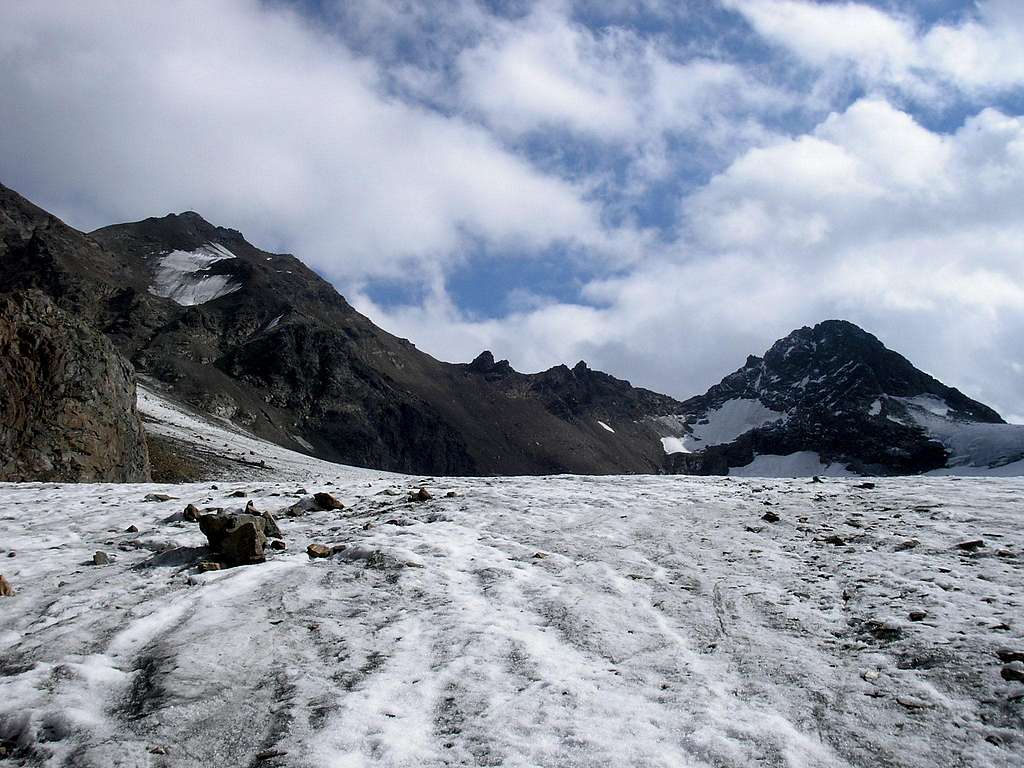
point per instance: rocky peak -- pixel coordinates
(486, 364)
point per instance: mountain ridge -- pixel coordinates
(262, 340)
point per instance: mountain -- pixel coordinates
(260, 339)
(833, 398)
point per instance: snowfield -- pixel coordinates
(553, 621)
(182, 276)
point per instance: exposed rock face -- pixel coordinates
(67, 399)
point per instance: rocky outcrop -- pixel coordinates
(67, 399)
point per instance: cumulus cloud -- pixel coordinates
(983, 52)
(257, 119)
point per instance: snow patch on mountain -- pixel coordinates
(606, 427)
(970, 444)
(727, 422)
(799, 464)
(183, 276)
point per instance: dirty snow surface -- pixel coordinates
(563, 621)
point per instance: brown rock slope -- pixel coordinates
(67, 399)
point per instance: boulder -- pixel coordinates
(240, 538)
(327, 501)
(6, 590)
(318, 550)
(67, 399)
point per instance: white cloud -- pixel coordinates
(982, 53)
(259, 121)
(545, 71)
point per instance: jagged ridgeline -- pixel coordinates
(260, 339)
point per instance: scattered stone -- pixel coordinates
(208, 565)
(816, 479)
(158, 497)
(100, 558)
(907, 544)
(191, 513)
(1013, 671)
(158, 750)
(132, 529)
(971, 545)
(754, 528)
(278, 544)
(327, 501)
(540, 555)
(269, 754)
(911, 702)
(270, 527)
(866, 486)
(835, 540)
(451, 495)
(770, 517)
(318, 550)
(421, 495)
(1008, 655)
(884, 629)
(870, 675)
(918, 615)
(399, 521)
(239, 537)
(6, 590)
(237, 495)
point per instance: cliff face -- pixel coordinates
(67, 399)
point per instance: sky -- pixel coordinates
(659, 188)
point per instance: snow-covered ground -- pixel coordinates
(552, 621)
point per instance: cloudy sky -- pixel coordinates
(657, 187)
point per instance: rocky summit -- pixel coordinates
(835, 391)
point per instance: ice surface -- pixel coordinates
(561, 621)
(544, 621)
(182, 276)
(799, 464)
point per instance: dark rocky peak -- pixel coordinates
(176, 231)
(835, 366)
(484, 363)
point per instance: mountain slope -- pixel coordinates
(261, 339)
(837, 391)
